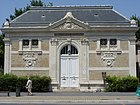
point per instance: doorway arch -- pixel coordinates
(69, 76)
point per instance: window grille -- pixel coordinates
(69, 49)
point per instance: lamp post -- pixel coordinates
(104, 77)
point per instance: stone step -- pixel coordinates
(68, 89)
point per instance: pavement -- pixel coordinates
(71, 97)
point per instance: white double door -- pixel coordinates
(69, 71)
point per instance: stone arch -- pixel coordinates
(60, 47)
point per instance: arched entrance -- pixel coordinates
(69, 66)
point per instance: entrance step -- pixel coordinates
(68, 89)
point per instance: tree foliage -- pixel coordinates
(1, 51)
(20, 11)
(37, 3)
(121, 84)
(138, 22)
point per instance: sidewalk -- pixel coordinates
(67, 97)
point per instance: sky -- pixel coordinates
(126, 7)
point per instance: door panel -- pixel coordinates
(69, 71)
(74, 72)
(64, 72)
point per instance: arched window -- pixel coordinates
(69, 49)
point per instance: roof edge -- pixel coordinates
(71, 7)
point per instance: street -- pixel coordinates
(67, 104)
(71, 98)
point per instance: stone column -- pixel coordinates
(7, 55)
(132, 58)
(84, 60)
(53, 59)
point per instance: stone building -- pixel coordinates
(73, 45)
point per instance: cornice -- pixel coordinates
(46, 29)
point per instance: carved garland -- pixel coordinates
(108, 58)
(70, 25)
(30, 59)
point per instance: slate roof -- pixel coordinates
(38, 16)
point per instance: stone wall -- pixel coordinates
(30, 72)
(97, 74)
(45, 45)
(124, 45)
(42, 61)
(17, 60)
(121, 60)
(95, 60)
(15, 45)
(92, 45)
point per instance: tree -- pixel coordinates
(138, 22)
(1, 51)
(20, 11)
(50, 4)
(37, 3)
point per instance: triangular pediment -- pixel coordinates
(69, 23)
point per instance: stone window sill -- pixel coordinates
(115, 51)
(39, 52)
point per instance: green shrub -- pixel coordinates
(11, 82)
(21, 83)
(121, 84)
(8, 82)
(41, 83)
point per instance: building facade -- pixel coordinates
(73, 45)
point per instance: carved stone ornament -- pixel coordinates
(69, 25)
(30, 59)
(6, 24)
(54, 41)
(84, 41)
(133, 23)
(108, 58)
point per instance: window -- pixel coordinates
(113, 41)
(25, 42)
(69, 49)
(34, 42)
(108, 44)
(30, 45)
(103, 42)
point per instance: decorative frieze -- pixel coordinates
(69, 25)
(54, 42)
(85, 41)
(30, 58)
(108, 58)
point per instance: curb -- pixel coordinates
(70, 101)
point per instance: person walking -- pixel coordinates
(29, 86)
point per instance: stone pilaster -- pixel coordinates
(53, 59)
(132, 58)
(7, 63)
(84, 59)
